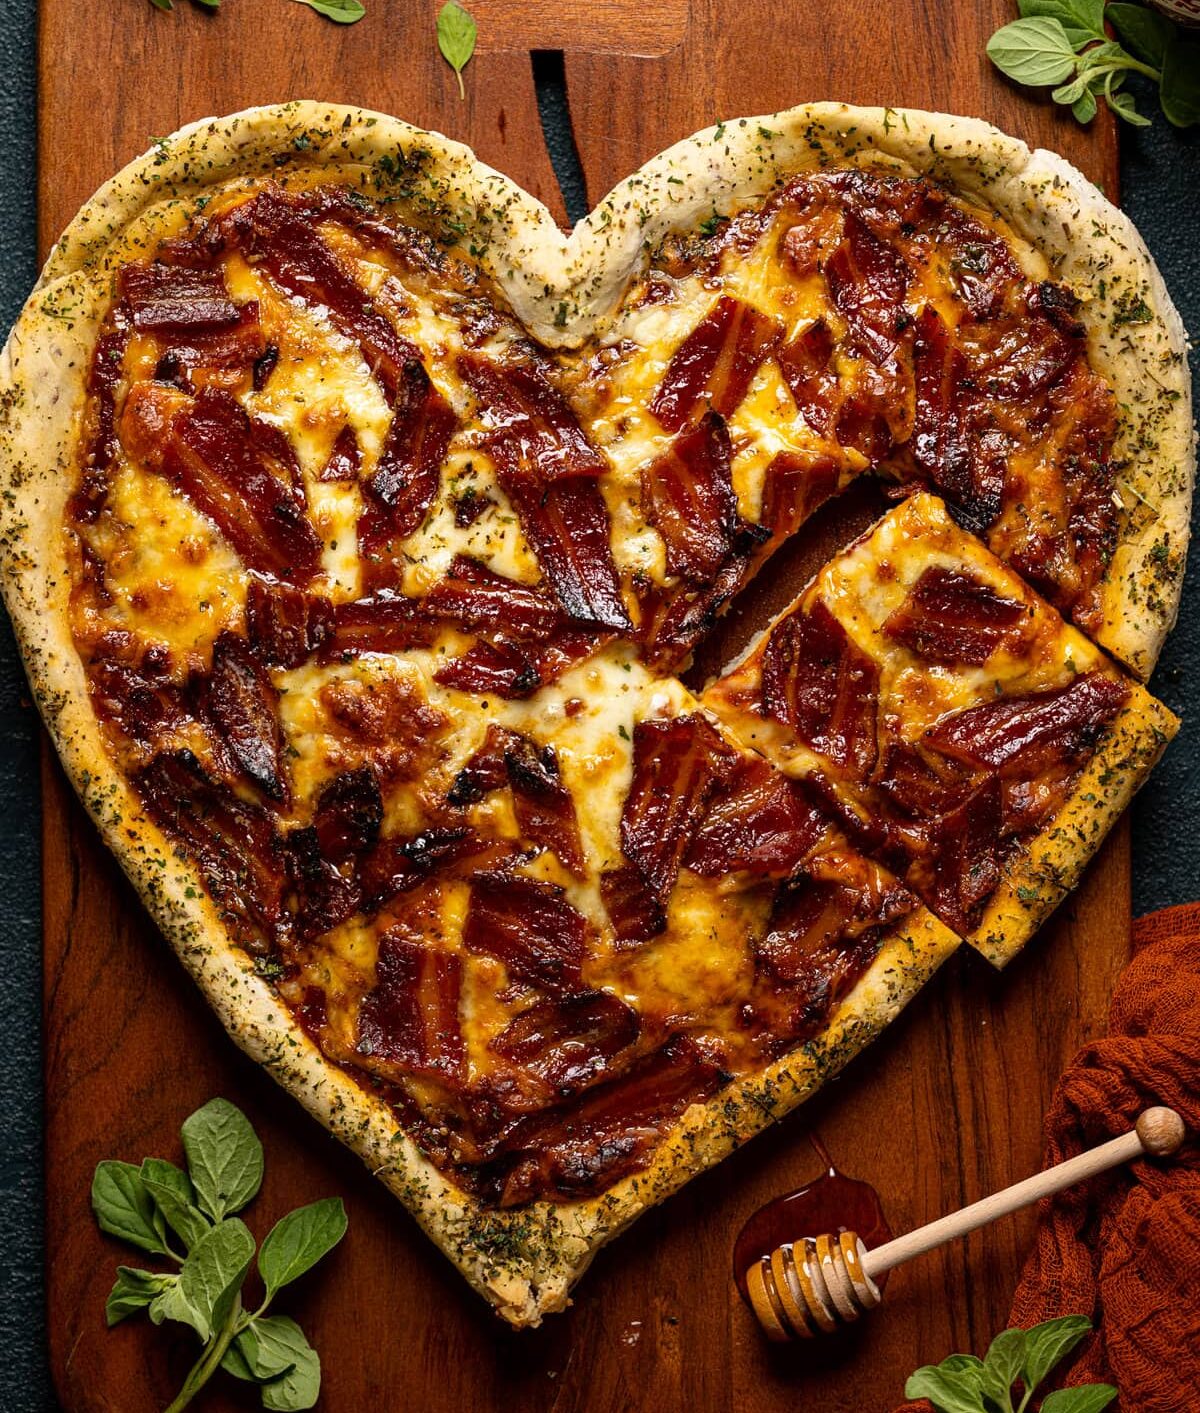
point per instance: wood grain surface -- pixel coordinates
(946, 1107)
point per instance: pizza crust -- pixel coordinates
(563, 288)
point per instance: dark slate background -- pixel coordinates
(1161, 191)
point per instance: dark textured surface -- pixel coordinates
(1161, 173)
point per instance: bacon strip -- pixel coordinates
(243, 475)
(808, 369)
(951, 617)
(411, 1018)
(139, 702)
(957, 855)
(104, 445)
(571, 1043)
(714, 366)
(348, 815)
(323, 895)
(236, 845)
(796, 484)
(822, 685)
(1026, 735)
(397, 496)
(515, 670)
(547, 470)
(240, 345)
(673, 620)
(612, 1130)
(530, 927)
(386, 621)
(278, 235)
(238, 701)
(867, 281)
(171, 298)
(758, 822)
(285, 625)
(482, 601)
(687, 495)
(345, 457)
(397, 865)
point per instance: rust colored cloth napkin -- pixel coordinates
(1124, 1249)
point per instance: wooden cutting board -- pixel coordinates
(946, 1107)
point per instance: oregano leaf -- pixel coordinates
(298, 1241)
(225, 1158)
(133, 1290)
(456, 33)
(950, 1391)
(124, 1208)
(214, 1271)
(1145, 33)
(171, 1190)
(1033, 51)
(1086, 1398)
(1049, 1343)
(342, 12)
(1082, 20)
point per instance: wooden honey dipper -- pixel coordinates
(820, 1284)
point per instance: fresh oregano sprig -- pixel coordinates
(964, 1383)
(188, 1219)
(456, 34)
(1063, 45)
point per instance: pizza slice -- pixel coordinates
(952, 720)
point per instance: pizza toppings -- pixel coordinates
(505, 944)
(818, 681)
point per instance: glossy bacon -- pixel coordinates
(285, 625)
(323, 896)
(867, 283)
(817, 914)
(138, 702)
(759, 822)
(714, 366)
(386, 621)
(543, 805)
(274, 231)
(515, 670)
(795, 484)
(1025, 735)
(815, 680)
(677, 766)
(398, 494)
(687, 495)
(235, 845)
(808, 369)
(243, 475)
(482, 601)
(103, 444)
(950, 617)
(239, 703)
(345, 457)
(411, 1018)
(348, 815)
(531, 427)
(239, 345)
(530, 927)
(172, 298)
(399, 864)
(634, 912)
(610, 1131)
(547, 469)
(957, 855)
(569, 1044)
(673, 620)
(813, 237)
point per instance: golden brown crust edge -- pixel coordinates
(523, 1262)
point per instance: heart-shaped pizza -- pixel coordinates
(358, 524)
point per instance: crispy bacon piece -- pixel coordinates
(514, 670)
(482, 601)
(530, 927)
(397, 496)
(677, 766)
(950, 616)
(759, 822)
(411, 1019)
(957, 855)
(822, 685)
(399, 864)
(103, 446)
(673, 620)
(239, 345)
(171, 298)
(570, 1043)
(543, 805)
(612, 1130)
(239, 703)
(322, 894)
(1026, 735)
(348, 815)
(137, 700)
(235, 845)
(279, 236)
(634, 913)
(713, 367)
(285, 625)
(345, 457)
(867, 282)
(808, 369)
(386, 621)
(687, 495)
(811, 240)
(530, 424)
(547, 469)
(243, 475)
(796, 483)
